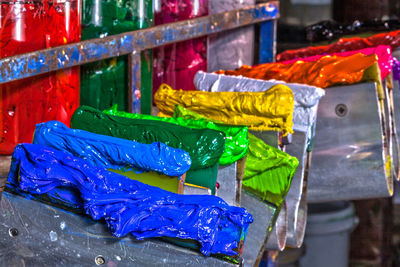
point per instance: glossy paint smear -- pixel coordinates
(327, 71)
(268, 171)
(111, 152)
(204, 146)
(383, 52)
(271, 110)
(236, 140)
(128, 206)
(345, 44)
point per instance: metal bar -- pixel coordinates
(267, 42)
(43, 61)
(134, 82)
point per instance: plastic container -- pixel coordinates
(176, 64)
(327, 239)
(105, 83)
(28, 26)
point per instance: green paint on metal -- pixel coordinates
(269, 171)
(205, 146)
(236, 142)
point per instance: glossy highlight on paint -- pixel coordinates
(271, 110)
(204, 146)
(345, 44)
(128, 206)
(236, 141)
(327, 71)
(111, 152)
(269, 171)
(383, 52)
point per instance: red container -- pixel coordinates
(27, 26)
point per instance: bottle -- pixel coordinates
(26, 26)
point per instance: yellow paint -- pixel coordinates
(162, 181)
(264, 111)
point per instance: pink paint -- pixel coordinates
(383, 52)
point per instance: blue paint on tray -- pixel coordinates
(111, 152)
(126, 205)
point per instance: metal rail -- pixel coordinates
(133, 43)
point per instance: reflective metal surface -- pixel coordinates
(257, 235)
(229, 180)
(35, 234)
(227, 184)
(277, 238)
(296, 198)
(350, 153)
(230, 49)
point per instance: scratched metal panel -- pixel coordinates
(226, 179)
(264, 216)
(349, 153)
(35, 234)
(297, 194)
(42, 61)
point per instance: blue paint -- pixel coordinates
(129, 206)
(111, 152)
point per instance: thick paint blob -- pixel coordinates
(269, 171)
(105, 83)
(271, 110)
(329, 30)
(204, 146)
(383, 52)
(128, 206)
(327, 71)
(236, 141)
(28, 26)
(306, 97)
(345, 44)
(111, 152)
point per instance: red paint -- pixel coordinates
(25, 27)
(176, 64)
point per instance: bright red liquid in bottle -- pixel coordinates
(25, 27)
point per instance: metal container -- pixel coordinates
(351, 158)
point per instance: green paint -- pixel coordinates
(196, 177)
(105, 83)
(162, 181)
(269, 171)
(236, 142)
(205, 146)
